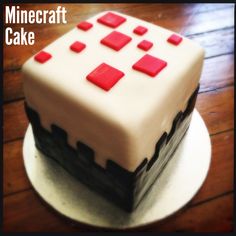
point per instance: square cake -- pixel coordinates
(111, 100)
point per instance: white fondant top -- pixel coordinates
(124, 123)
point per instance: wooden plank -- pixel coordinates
(14, 175)
(209, 21)
(221, 174)
(12, 85)
(219, 179)
(217, 109)
(215, 215)
(217, 42)
(46, 34)
(213, 77)
(218, 72)
(15, 121)
(26, 212)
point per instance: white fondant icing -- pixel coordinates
(124, 123)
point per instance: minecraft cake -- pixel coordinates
(111, 100)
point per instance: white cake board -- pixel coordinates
(179, 182)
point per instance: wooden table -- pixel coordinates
(211, 25)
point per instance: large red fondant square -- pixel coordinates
(105, 76)
(112, 20)
(150, 65)
(116, 40)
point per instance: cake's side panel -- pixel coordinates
(80, 163)
(81, 123)
(159, 120)
(164, 149)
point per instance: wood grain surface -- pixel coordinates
(212, 26)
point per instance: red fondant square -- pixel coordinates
(116, 40)
(84, 25)
(140, 30)
(105, 76)
(42, 57)
(175, 39)
(149, 65)
(112, 20)
(77, 46)
(145, 45)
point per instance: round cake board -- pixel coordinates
(179, 182)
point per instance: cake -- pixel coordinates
(111, 100)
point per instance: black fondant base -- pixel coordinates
(126, 189)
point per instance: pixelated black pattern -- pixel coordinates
(122, 187)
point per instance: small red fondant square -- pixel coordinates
(150, 65)
(175, 39)
(145, 45)
(116, 40)
(77, 46)
(105, 76)
(112, 20)
(42, 57)
(84, 25)
(140, 30)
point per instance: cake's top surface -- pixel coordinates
(117, 65)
